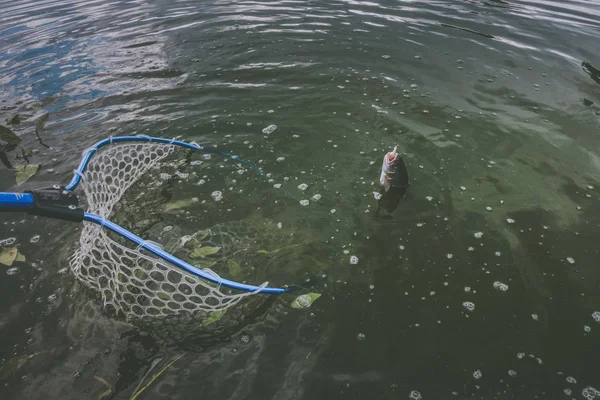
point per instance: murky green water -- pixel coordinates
(496, 108)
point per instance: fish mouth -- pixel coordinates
(392, 157)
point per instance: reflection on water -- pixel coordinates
(482, 284)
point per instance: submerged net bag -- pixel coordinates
(130, 281)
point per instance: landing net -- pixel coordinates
(130, 282)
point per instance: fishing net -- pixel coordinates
(130, 282)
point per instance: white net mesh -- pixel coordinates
(132, 283)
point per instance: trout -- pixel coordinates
(393, 180)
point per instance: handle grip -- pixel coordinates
(52, 202)
(16, 202)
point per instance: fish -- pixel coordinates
(393, 180)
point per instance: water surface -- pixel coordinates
(495, 107)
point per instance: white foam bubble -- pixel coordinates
(535, 317)
(449, 256)
(596, 316)
(477, 374)
(512, 372)
(377, 195)
(8, 241)
(269, 129)
(353, 260)
(591, 393)
(570, 260)
(570, 379)
(510, 220)
(361, 336)
(463, 188)
(277, 185)
(469, 306)
(503, 287)
(303, 186)
(280, 159)
(316, 197)
(304, 202)
(415, 395)
(429, 198)
(478, 235)
(333, 211)
(12, 271)
(35, 239)
(217, 195)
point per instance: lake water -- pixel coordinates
(482, 284)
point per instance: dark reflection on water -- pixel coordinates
(494, 106)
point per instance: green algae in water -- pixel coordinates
(305, 300)
(204, 251)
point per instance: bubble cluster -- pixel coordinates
(500, 286)
(8, 241)
(12, 271)
(304, 202)
(303, 186)
(415, 395)
(591, 393)
(353, 260)
(269, 129)
(361, 336)
(469, 306)
(477, 374)
(217, 195)
(596, 316)
(35, 239)
(478, 235)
